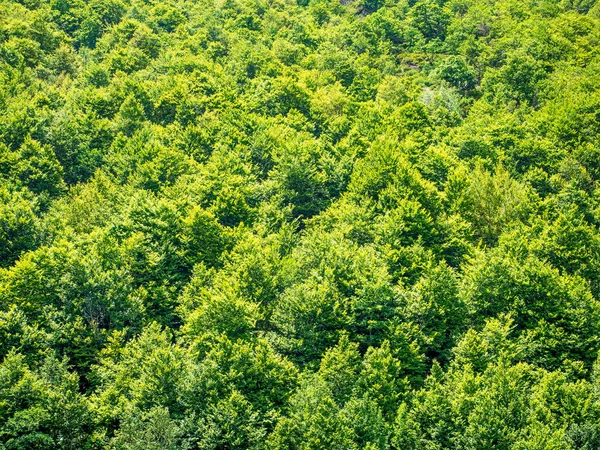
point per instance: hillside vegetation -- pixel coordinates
(309, 225)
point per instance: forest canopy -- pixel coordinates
(300, 224)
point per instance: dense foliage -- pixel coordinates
(311, 224)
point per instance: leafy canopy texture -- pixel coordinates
(299, 224)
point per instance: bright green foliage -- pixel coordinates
(489, 201)
(507, 406)
(434, 305)
(41, 408)
(381, 378)
(147, 430)
(340, 368)
(18, 225)
(555, 314)
(335, 286)
(300, 224)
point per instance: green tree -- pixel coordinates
(41, 407)
(18, 225)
